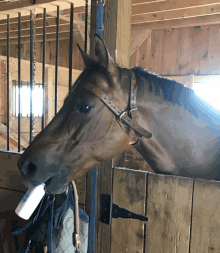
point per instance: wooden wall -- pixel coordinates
(183, 214)
(184, 51)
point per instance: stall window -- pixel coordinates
(37, 99)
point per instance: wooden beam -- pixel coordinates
(14, 135)
(25, 6)
(39, 31)
(169, 5)
(177, 23)
(51, 21)
(176, 14)
(26, 18)
(138, 39)
(145, 1)
(39, 38)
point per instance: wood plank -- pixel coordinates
(129, 191)
(104, 186)
(169, 5)
(39, 38)
(212, 66)
(206, 218)
(10, 179)
(197, 48)
(123, 36)
(169, 201)
(9, 221)
(156, 56)
(144, 51)
(177, 23)
(137, 38)
(134, 59)
(13, 135)
(135, 161)
(39, 31)
(145, 1)
(79, 10)
(25, 25)
(204, 44)
(185, 66)
(81, 189)
(170, 41)
(25, 6)
(176, 14)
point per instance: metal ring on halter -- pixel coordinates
(122, 114)
(133, 109)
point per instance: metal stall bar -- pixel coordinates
(8, 52)
(57, 58)
(71, 48)
(86, 27)
(99, 29)
(19, 82)
(43, 67)
(31, 81)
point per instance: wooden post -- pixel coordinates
(116, 34)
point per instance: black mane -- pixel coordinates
(177, 93)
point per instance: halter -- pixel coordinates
(125, 118)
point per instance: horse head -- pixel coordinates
(84, 132)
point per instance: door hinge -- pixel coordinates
(110, 210)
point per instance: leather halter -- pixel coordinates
(125, 118)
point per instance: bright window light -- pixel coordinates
(37, 100)
(208, 89)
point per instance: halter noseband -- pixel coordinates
(125, 118)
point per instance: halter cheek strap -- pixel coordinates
(127, 117)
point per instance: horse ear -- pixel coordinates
(102, 55)
(86, 59)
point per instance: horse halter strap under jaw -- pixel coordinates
(125, 118)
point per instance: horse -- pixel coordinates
(110, 108)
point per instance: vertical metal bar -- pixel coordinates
(43, 65)
(93, 27)
(99, 28)
(31, 67)
(71, 48)
(19, 81)
(57, 58)
(86, 27)
(8, 53)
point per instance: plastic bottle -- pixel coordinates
(30, 201)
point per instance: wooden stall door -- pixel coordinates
(183, 213)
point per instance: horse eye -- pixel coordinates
(83, 108)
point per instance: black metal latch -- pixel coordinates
(110, 210)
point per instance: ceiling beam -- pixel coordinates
(170, 5)
(146, 1)
(39, 31)
(176, 14)
(178, 23)
(39, 38)
(25, 6)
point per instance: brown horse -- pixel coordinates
(185, 130)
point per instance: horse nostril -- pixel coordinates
(31, 168)
(27, 168)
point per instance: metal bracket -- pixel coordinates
(110, 210)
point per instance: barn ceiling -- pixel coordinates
(146, 14)
(162, 14)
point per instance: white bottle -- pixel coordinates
(30, 201)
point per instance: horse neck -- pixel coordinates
(175, 131)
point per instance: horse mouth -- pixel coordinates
(55, 185)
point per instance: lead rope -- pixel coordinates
(76, 217)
